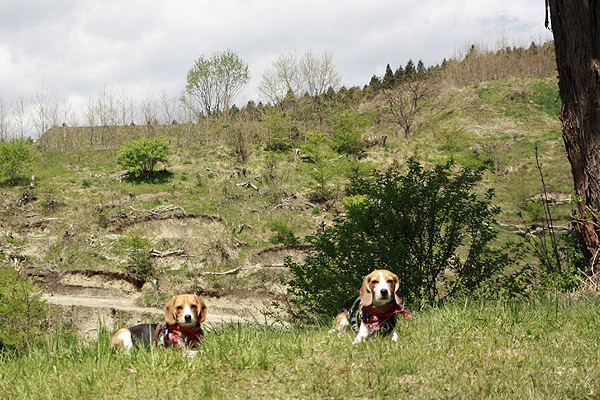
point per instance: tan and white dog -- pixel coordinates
(183, 315)
(375, 309)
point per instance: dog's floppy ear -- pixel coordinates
(366, 296)
(170, 315)
(202, 312)
(396, 288)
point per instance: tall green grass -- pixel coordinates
(548, 347)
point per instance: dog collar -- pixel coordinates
(376, 320)
(380, 314)
(179, 335)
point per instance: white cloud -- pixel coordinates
(76, 48)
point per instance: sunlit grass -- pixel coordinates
(548, 347)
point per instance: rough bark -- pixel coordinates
(576, 29)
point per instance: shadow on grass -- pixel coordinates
(156, 178)
(13, 182)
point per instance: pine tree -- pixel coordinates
(375, 83)
(409, 71)
(388, 78)
(399, 75)
(421, 70)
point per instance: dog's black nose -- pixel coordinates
(188, 318)
(384, 292)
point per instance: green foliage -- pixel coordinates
(16, 158)
(140, 264)
(427, 226)
(278, 127)
(23, 313)
(561, 260)
(348, 130)
(283, 233)
(319, 167)
(215, 82)
(141, 156)
(559, 254)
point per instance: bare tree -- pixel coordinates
(576, 27)
(169, 107)
(126, 108)
(90, 118)
(405, 101)
(67, 115)
(20, 117)
(149, 111)
(295, 74)
(170, 113)
(319, 73)
(282, 78)
(107, 112)
(4, 121)
(45, 111)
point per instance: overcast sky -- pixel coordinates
(74, 48)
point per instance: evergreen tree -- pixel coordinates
(421, 70)
(444, 63)
(410, 71)
(399, 75)
(375, 83)
(388, 78)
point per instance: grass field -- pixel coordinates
(542, 348)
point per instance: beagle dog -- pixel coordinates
(183, 315)
(375, 309)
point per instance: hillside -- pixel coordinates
(220, 224)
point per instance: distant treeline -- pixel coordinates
(108, 126)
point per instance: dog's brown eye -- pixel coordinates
(375, 282)
(390, 281)
(179, 308)
(193, 307)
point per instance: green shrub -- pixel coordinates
(318, 166)
(23, 313)
(140, 264)
(16, 158)
(278, 127)
(282, 233)
(141, 156)
(561, 261)
(427, 226)
(347, 133)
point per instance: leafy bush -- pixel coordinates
(560, 257)
(23, 313)
(140, 264)
(319, 166)
(282, 233)
(16, 157)
(427, 226)
(141, 156)
(278, 127)
(347, 132)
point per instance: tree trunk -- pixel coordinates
(576, 29)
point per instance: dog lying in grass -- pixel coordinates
(183, 315)
(375, 309)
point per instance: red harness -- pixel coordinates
(177, 335)
(376, 320)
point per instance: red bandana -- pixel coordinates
(183, 337)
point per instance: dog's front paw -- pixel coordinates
(191, 353)
(358, 339)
